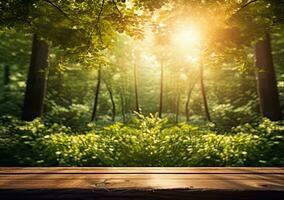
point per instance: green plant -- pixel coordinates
(147, 142)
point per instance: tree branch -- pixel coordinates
(101, 11)
(245, 5)
(277, 21)
(116, 7)
(99, 21)
(57, 8)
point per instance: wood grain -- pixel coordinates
(142, 183)
(142, 170)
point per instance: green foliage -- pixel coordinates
(83, 35)
(74, 116)
(227, 116)
(15, 55)
(19, 140)
(148, 142)
(271, 141)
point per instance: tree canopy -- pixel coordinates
(179, 75)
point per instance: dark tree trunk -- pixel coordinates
(177, 107)
(112, 101)
(171, 96)
(136, 89)
(122, 108)
(161, 89)
(173, 104)
(94, 114)
(127, 98)
(170, 104)
(203, 91)
(36, 82)
(6, 75)
(266, 81)
(191, 87)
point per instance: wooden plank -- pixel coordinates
(153, 183)
(162, 178)
(144, 176)
(139, 195)
(142, 170)
(142, 183)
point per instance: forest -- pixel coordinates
(150, 83)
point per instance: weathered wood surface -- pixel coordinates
(142, 183)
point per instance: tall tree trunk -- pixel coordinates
(191, 87)
(6, 75)
(266, 81)
(173, 104)
(127, 98)
(161, 88)
(136, 89)
(203, 91)
(171, 96)
(177, 106)
(122, 108)
(36, 82)
(112, 101)
(94, 114)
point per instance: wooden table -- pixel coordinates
(141, 183)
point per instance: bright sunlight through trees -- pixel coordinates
(141, 83)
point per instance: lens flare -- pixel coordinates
(187, 36)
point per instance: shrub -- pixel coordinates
(74, 116)
(145, 142)
(227, 116)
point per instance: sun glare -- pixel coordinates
(192, 59)
(187, 36)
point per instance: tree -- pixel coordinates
(190, 89)
(110, 91)
(6, 75)
(161, 88)
(266, 80)
(136, 89)
(122, 105)
(203, 92)
(177, 106)
(36, 82)
(97, 93)
(95, 27)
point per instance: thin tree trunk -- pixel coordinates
(171, 96)
(6, 75)
(36, 82)
(173, 105)
(266, 81)
(94, 114)
(136, 89)
(188, 100)
(123, 97)
(161, 89)
(122, 108)
(203, 91)
(126, 99)
(177, 107)
(112, 101)
(170, 103)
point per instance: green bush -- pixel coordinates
(146, 142)
(227, 116)
(19, 140)
(73, 116)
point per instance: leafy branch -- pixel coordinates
(244, 6)
(58, 8)
(116, 7)
(98, 22)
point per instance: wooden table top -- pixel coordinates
(271, 179)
